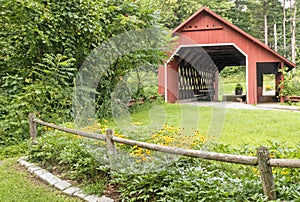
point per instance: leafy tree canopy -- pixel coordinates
(43, 42)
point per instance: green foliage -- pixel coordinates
(14, 150)
(40, 40)
(238, 87)
(290, 84)
(69, 155)
(35, 27)
(43, 42)
(232, 71)
(198, 180)
(188, 179)
(174, 12)
(45, 91)
(114, 75)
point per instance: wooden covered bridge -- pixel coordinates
(207, 43)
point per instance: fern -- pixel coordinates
(47, 91)
(56, 68)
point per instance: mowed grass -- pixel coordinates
(227, 85)
(18, 185)
(230, 126)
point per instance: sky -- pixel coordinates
(288, 3)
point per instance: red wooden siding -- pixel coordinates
(205, 27)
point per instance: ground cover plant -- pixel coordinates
(186, 179)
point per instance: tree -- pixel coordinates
(174, 12)
(240, 15)
(36, 31)
(293, 32)
(284, 28)
(265, 13)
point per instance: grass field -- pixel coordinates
(254, 127)
(16, 184)
(227, 85)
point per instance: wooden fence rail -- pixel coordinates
(262, 160)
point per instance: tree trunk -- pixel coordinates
(275, 37)
(293, 29)
(139, 88)
(265, 11)
(266, 28)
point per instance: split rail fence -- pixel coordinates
(262, 160)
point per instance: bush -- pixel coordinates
(69, 155)
(46, 92)
(199, 180)
(290, 84)
(14, 150)
(232, 71)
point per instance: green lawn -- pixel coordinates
(254, 127)
(16, 184)
(227, 85)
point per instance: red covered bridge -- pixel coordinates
(207, 43)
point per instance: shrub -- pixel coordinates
(46, 92)
(14, 150)
(191, 179)
(290, 84)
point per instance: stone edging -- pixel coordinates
(62, 185)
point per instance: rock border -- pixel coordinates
(62, 185)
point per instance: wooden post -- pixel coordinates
(266, 173)
(111, 149)
(32, 127)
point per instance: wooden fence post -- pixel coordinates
(266, 174)
(32, 127)
(110, 146)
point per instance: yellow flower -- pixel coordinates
(136, 123)
(119, 135)
(47, 128)
(77, 136)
